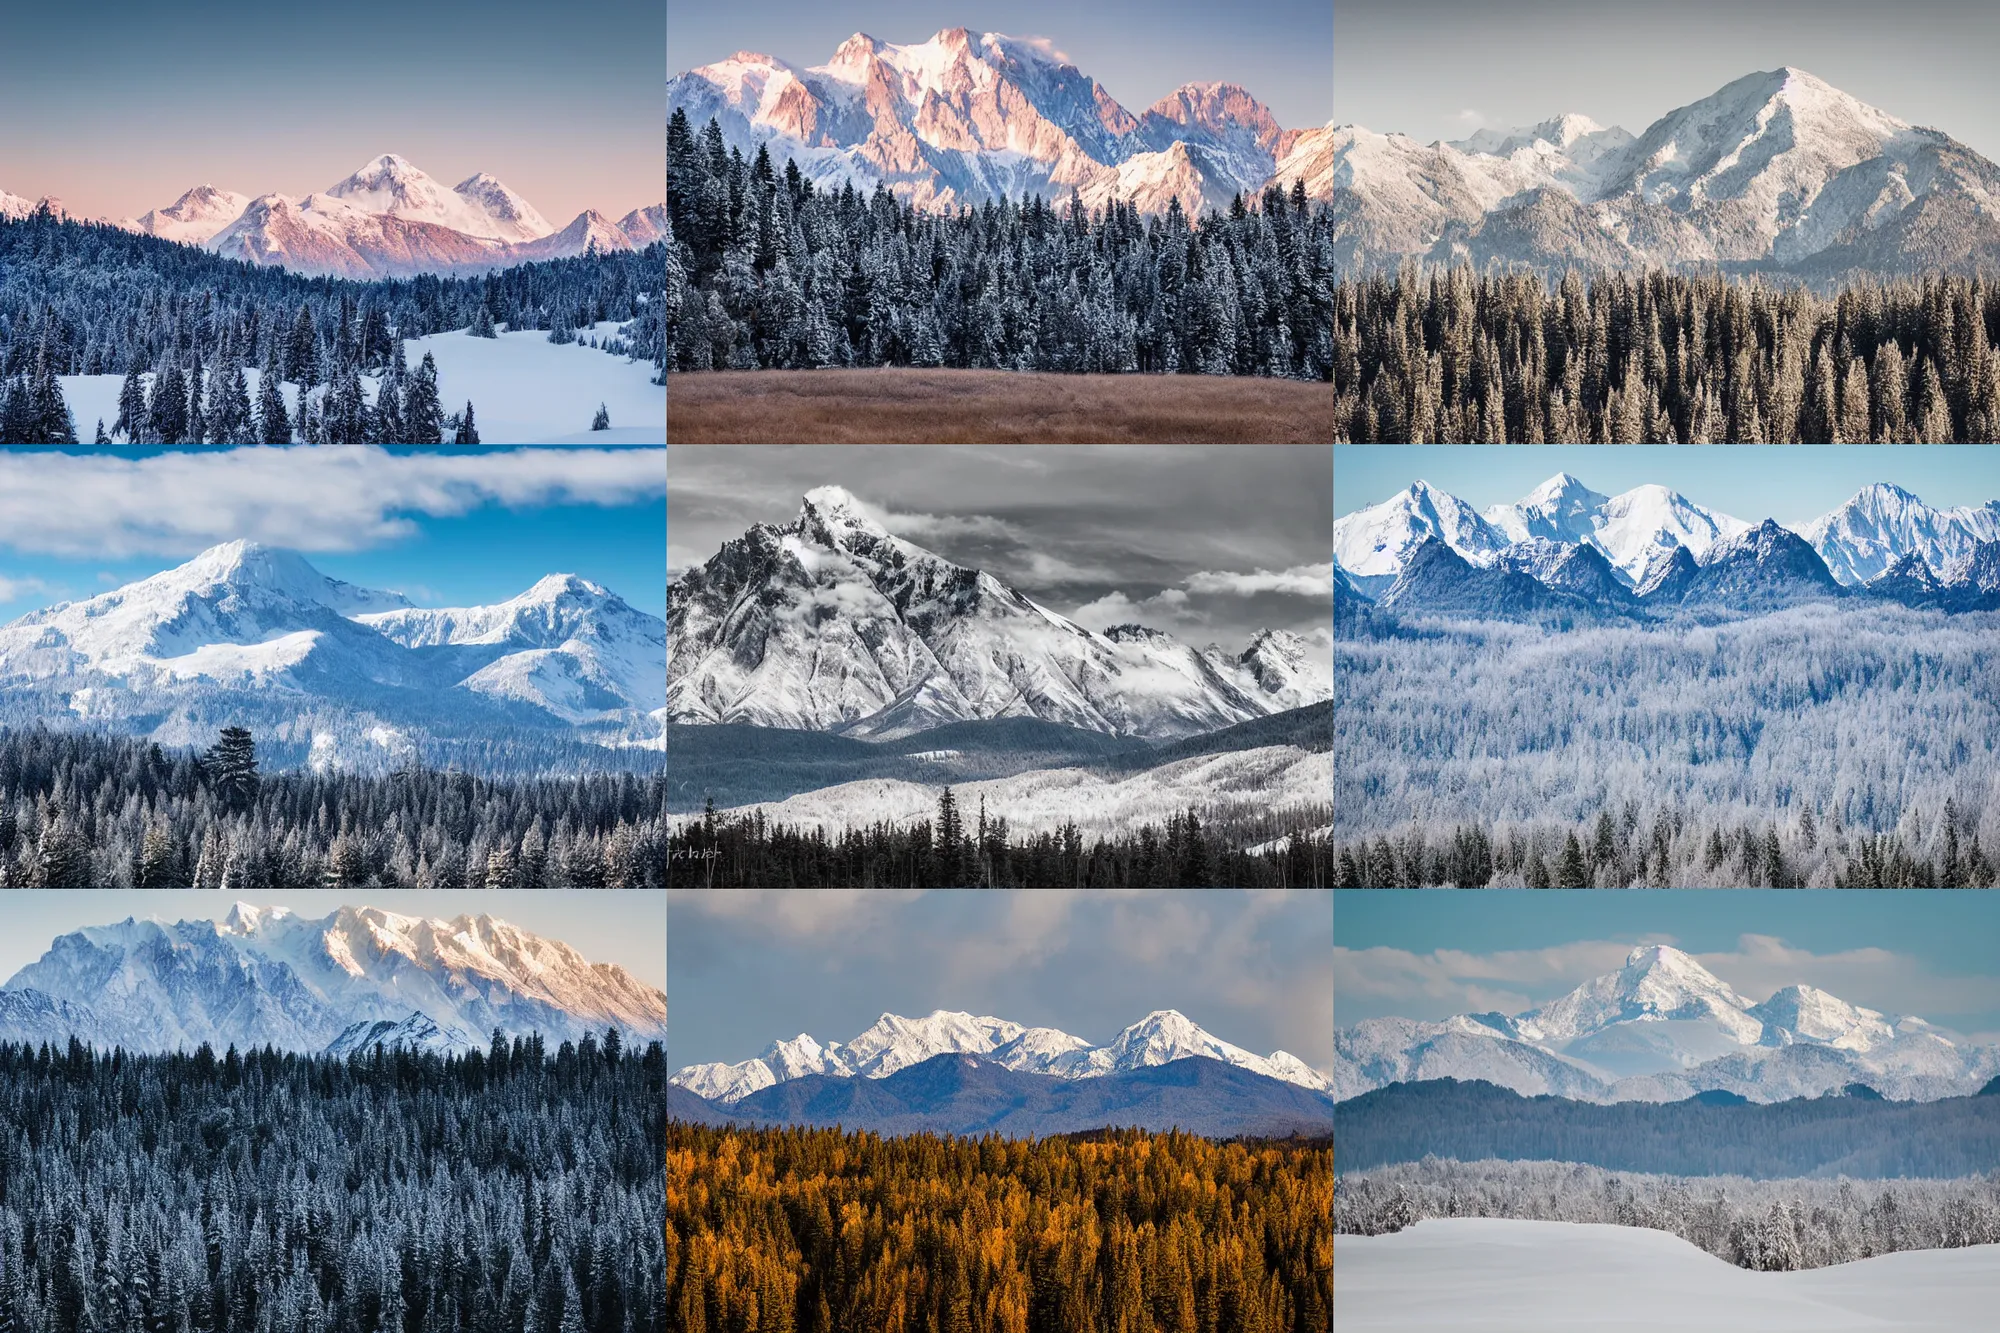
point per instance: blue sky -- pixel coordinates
(1280, 50)
(447, 527)
(1429, 955)
(746, 968)
(627, 928)
(1791, 483)
(118, 106)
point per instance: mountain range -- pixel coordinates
(357, 979)
(254, 635)
(955, 1093)
(965, 118)
(1776, 172)
(831, 623)
(895, 1043)
(388, 219)
(1663, 1028)
(1566, 549)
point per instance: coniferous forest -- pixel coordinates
(183, 325)
(80, 810)
(1119, 1231)
(510, 1191)
(765, 270)
(1458, 357)
(735, 851)
(1762, 1225)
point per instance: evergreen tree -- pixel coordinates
(465, 432)
(602, 421)
(423, 417)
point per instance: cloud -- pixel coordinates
(1299, 580)
(13, 589)
(345, 498)
(836, 913)
(1472, 120)
(1115, 608)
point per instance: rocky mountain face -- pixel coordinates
(831, 623)
(1662, 1028)
(358, 978)
(895, 1043)
(1777, 172)
(388, 219)
(968, 117)
(255, 634)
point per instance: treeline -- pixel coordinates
(91, 299)
(501, 1192)
(816, 1231)
(720, 850)
(1770, 1225)
(764, 270)
(81, 810)
(1670, 849)
(1437, 356)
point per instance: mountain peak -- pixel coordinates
(836, 506)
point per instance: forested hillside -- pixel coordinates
(815, 1231)
(765, 271)
(1656, 358)
(90, 299)
(1767, 1226)
(79, 810)
(510, 1191)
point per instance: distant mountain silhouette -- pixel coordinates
(685, 1105)
(963, 1094)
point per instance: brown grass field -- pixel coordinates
(905, 406)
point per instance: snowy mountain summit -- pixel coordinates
(1778, 170)
(258, 633)
(1663, 1027)
(894, 1043)
(830, 622)
(356, 979)
(966, 118)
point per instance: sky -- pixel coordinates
(119, 106)
(1210, 544)
(1429, 955)
(1280, 50)
(746, 967)
(1791, 483)
(445, 527)
(626, 928)
(1440, 69)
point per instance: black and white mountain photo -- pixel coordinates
(1726, 668)
(952, 666)
(1643, 1112)
(277, 668)
(1766, 228)
(333, 1112)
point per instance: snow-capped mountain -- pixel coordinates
(1638, 531)
(415, 1033)
(359, 976)
(830, 622)
(389, 219)
(255, 634)
(967, 117)
(1663, 1027)
(896, 1043)
(1372, 544)
(1777, 170)
(1882, 524)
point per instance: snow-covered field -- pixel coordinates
(1241, 782)
(1486, 1275)
(524, 389)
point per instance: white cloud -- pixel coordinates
(12, 589)
(1471, 119)
(1299, 580)
(329, 498)
(1115, 608)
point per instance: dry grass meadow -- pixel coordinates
(906, 406)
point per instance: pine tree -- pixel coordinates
(423, 417)
(466, 432)
(602, 421)
(1571, 874)
(274, 424)
(231, 767)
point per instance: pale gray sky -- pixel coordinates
(628, 928)
(746, 968)
(1438, 69)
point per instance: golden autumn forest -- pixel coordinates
(1116, 1231)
